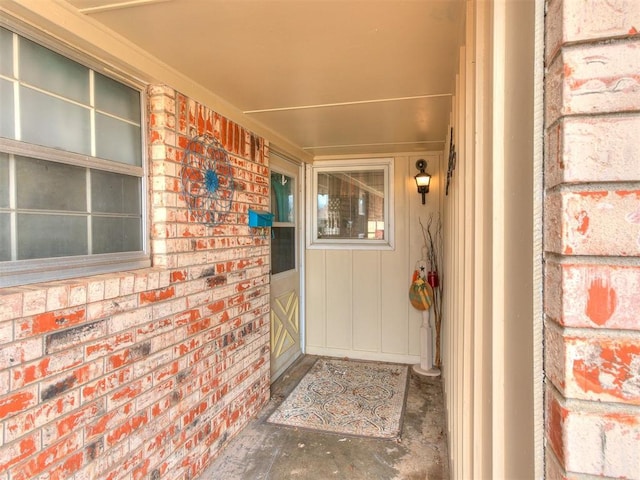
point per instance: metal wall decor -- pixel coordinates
(207, 180)
(452, 162)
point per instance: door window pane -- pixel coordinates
(52, 72)
(282, 190)
(46, 185)
(283, 249)
(348, 202)
(53, 122)
(352, 204)
(45, 236)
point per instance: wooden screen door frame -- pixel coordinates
(286, 288)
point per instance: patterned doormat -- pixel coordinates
(348, 398)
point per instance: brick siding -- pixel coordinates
(592, 239)
(146, 374)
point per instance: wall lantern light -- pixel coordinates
(422, 178)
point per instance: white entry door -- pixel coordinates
(285, 264)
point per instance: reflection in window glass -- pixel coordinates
(282, 189)
(349, 202)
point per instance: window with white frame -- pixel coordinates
(351, 204)
(71, 167)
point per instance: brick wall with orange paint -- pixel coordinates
(146, 374)
(592, 239)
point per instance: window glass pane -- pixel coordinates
(348, 202)
(52, 122)
(6, 53)
(116, 235)
(44, 236)
(282, 189)
(7, 115)
(5, 237)
(117, 99)
(283, 249)
(52, 72)
(50, 186)
(114, 193)
(118, 141)
(4, 180)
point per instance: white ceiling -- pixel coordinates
(333, 77)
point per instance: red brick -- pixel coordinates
(10, 304)
(18, 451)
(42, 414)
(51, 321)
(16, 353)
(46, 367)
(108, 345)
(593, 223)
(570, 21)
(594, 79)
(47, 457)
(76, 420)
(17, 402)
(157, 295)
(106, 384)
(593, 295)
(68, 467)
(129, 392)
(109, 421)
(593, 149)
(127, 428)
(72, 379)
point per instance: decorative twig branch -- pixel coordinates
(433, 240)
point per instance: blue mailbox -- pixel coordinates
(259, 219)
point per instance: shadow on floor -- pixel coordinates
(271, 452)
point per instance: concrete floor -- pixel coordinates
(270, 452)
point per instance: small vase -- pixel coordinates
(432, 279)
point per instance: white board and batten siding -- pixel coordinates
(357, 301)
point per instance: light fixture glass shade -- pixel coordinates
(423, 179)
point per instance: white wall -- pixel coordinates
(357, 303)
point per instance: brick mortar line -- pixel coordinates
(586, 260)
(594, 186)
(597, 115)
(590, 332)
(590, 406)
(589, 42)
